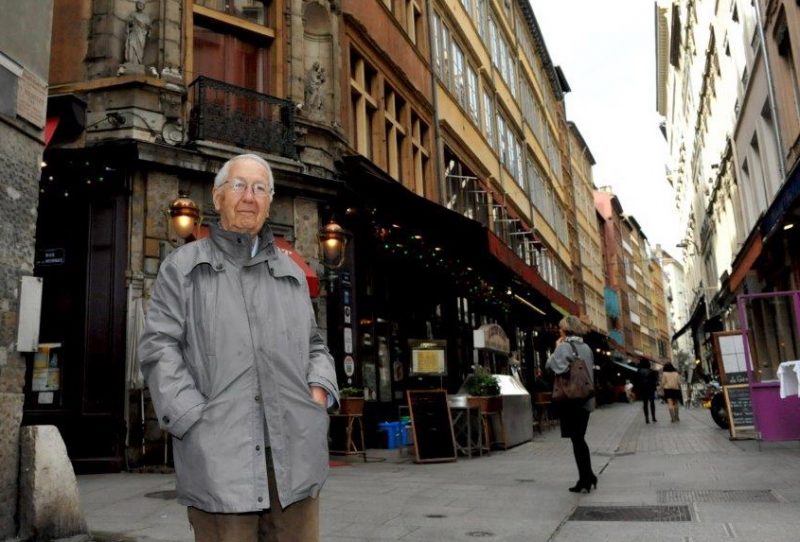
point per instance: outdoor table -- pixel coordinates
(463, 419)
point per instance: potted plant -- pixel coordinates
(484, 389)
(351, 401)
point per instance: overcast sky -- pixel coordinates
(607, 51)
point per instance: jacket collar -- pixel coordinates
(237, 248)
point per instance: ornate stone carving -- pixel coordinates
(315, 79)
(139, 24)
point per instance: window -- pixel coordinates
(229, 51)
(394, 112)
(501, 56)
(413, 21)
(420, 152)
(537, 186)
(472, 94)
(363, 103)
(784, 44)
(501, 222)
(465, 192)
(254, 11)
(457, 85)
(488, 119)
(502, 149)
(483, 18)
(437, 46)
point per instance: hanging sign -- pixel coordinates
(491, 337)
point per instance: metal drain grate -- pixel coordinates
(668, 496)
(631, 513)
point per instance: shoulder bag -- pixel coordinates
(577, 383)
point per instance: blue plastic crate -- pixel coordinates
(407, 437)
(394, 433)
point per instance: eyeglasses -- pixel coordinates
(238, 186)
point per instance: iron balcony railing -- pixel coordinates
(242, 117)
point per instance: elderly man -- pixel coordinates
(239, 374)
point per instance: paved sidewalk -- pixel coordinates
(520, 494)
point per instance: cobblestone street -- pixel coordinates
(729, 491)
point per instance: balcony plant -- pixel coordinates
(351, 401)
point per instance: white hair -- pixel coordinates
(222, 174)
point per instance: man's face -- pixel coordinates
(245, 211)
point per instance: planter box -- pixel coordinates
(487, 403)
(351, 406)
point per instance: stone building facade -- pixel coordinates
(24, 63)
(162, 93)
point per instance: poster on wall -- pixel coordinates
(348, 340)
(46, 374)
(369, 374)
(428, 357)
(384, 371)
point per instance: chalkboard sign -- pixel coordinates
(433, 428)
(740, 408)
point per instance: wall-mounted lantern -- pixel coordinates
(184, 215)
(333, 239)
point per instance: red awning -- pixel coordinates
(311, 276)
(504, 254)
(50, 129)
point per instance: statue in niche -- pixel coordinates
(139, 25)
(315, 79)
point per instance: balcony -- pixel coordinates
(232, 115)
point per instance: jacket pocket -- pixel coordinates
(204, 299)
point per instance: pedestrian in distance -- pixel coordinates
(645, 388)
(574, 415)
(671, 383)
(239, 374)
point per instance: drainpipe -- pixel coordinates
(437, 136)
(770, 91)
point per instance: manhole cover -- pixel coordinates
(435, 516)
(525, 480)
(631, 513)
(166, 495)
(667, 496)
(480, 534)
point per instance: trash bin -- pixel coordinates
(394, 433)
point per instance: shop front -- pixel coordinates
(422, 273)
(105, 223)
(769, 326)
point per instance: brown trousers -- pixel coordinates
(297, 523)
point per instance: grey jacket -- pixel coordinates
(558, 362)
(230, 348)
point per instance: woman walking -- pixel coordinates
(671, 384)
(645, 388)
(574, 415)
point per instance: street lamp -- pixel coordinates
(333, 239)
(184, 215)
